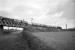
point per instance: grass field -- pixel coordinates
(38, 41)
(58, 40)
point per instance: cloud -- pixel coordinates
(5, 13)
(69, 11)
(43, 11)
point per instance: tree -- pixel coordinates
(59, 28)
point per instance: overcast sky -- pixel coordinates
(49, 12)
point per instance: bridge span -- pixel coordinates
(12, 23)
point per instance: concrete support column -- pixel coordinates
(1, 29)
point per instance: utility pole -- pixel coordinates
(66, 26)
(31, 20)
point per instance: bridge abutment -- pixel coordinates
(1, 29)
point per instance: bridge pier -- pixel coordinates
(1, 29)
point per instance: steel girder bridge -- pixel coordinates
(12, 23)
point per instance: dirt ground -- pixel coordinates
(37, 41)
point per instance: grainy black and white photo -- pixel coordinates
(37, 25)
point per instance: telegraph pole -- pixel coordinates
(31, 20)
(66, 26)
